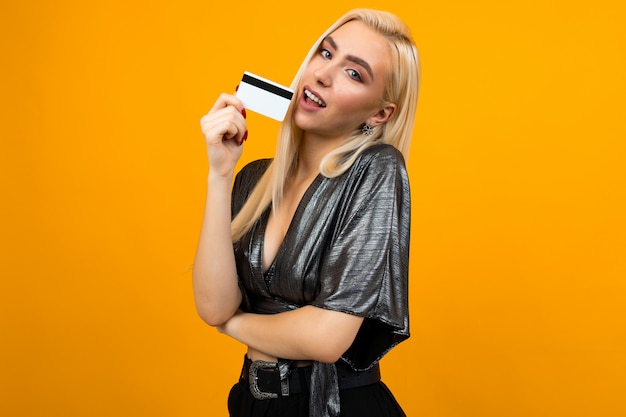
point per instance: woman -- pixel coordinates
(316, 285)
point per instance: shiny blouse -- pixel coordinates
(346, 249)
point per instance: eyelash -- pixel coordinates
(354, 74)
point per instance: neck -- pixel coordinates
(311, 150)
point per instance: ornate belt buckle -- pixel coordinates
(253, 380)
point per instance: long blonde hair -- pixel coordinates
(401, 88)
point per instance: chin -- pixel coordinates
(301, 122)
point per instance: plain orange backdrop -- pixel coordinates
(518, 252)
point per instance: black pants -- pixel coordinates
(374, 400)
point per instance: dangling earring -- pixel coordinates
(367, 130)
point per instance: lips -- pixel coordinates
(312, 98)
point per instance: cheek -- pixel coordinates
(354, 98)
(362, 104)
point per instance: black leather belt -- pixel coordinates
(264, 380)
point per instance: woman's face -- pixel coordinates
(342, 86)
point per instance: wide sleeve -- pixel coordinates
(245, 181)
(244, 184)
(365, 271)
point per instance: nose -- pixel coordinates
(323, 74)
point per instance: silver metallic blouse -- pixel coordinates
(346, 249)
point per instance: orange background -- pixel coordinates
(518, 264)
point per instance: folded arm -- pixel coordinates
(308, 333)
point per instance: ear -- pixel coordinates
(382, 115)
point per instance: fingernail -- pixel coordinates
(237, 88)
(243, 113)
(245, 137)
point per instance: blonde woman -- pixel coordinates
(305, 258)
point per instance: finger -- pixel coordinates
(228, 112)
(216, 129)
(225, 124)
(225, 100)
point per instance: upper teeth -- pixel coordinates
(314, 97)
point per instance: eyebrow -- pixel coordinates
(352, 58)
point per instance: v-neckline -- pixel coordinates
(295, 219)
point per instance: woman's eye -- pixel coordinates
(354, 75)
(326, 53)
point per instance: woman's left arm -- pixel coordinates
(307, 333)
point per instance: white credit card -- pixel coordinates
(264, 96)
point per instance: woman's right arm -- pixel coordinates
(216, 290)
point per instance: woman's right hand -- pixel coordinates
(225, 129)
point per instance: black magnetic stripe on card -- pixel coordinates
(267, 86)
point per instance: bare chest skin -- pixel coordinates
(279, 221)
